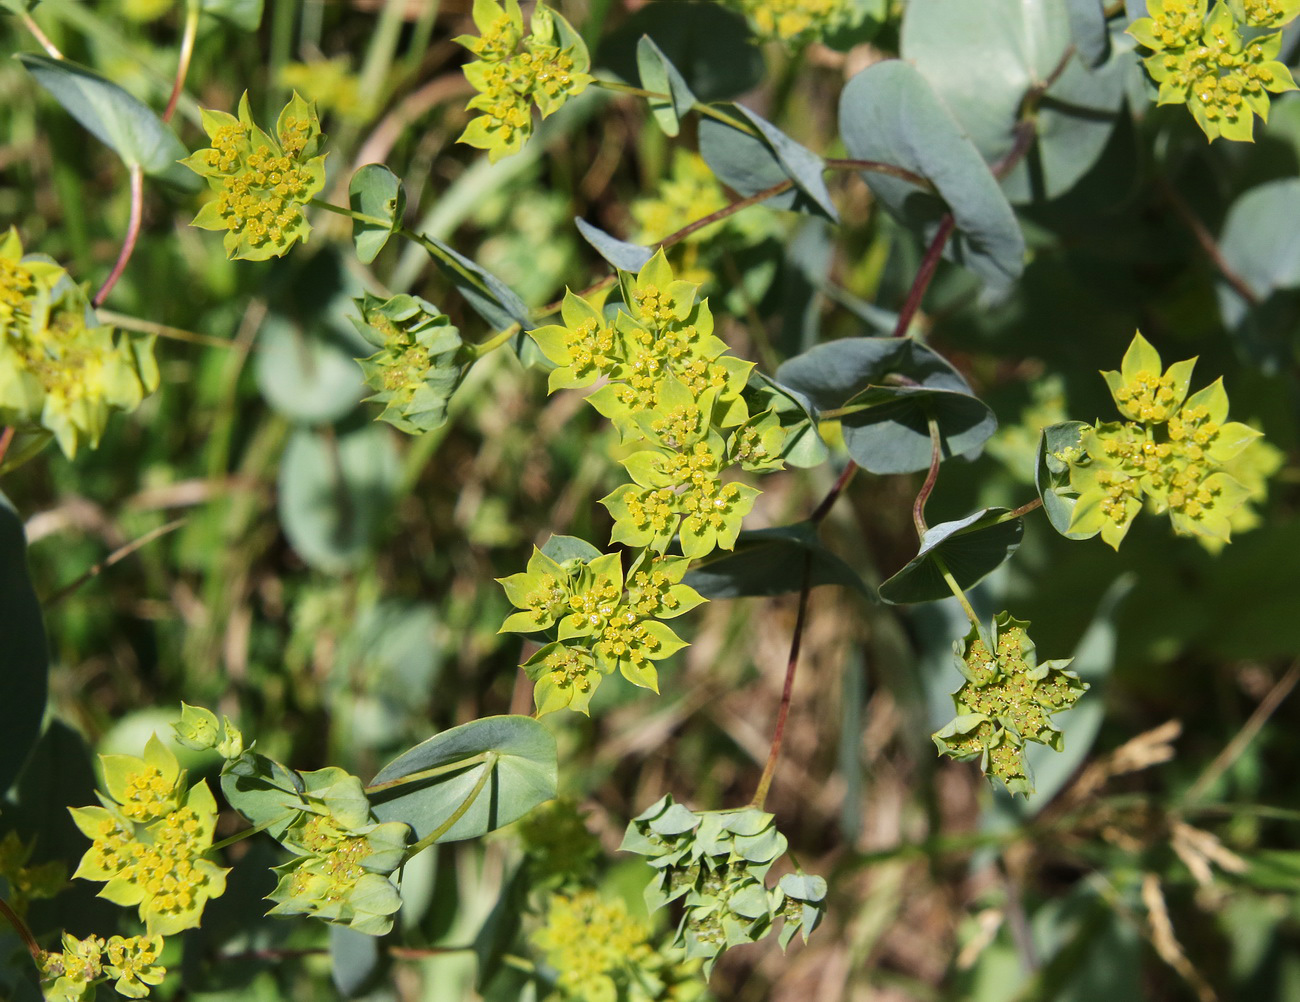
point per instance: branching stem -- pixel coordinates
(792, 665)
(132, 235)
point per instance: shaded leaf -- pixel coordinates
(355, 959)
(25, 678)
(375, 191)
(522, 776)
(711, 47)
(771, 562)
(750, 164)
(118, 119)
(970, 548)
(621, 254)
(335, 495)
(308, 375)
(1052, 474)
(1088, 30)
(889, 113)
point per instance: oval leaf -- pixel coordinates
(970, 548)
(771, 562)
(522, 776)
(334, 497)
(659, 74)
(308, 375)
(375, 191)
(113, 116)
(889, 113)
(750, 164)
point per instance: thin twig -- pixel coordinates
(24, 933)
(879, 167)
(1249, 730)
(792, 665)
(929, 264)
(192, 8)
(132, 235)
(923, 495)
(6, 438)
(725, 211)
(42, 39)
(117, 555)
(140, 326)
(1208, 244)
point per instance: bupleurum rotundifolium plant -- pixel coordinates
(1176, 454)
(1222, 66)
(62, 373)
(516, 69)
(261, 182)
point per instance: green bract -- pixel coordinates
(420, 363)
(1008, 698)
(1172, 456)
(514, 71)
(62, 372)
(261, 181)
(717, 862)
(1206, 62)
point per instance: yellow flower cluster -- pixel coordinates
(149, 839)
(61, 372)
(550, 68)
(593, 945)
(1179, 453)
(795, 20)
(72, 973)
(261, 181)
(1207, 63)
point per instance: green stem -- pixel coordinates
(960, 596)
(656, 95)
(489, 766)
(360, 217)
(191, 30)
(437, 770)
(130, 323)
(495, 341)
(250, 832)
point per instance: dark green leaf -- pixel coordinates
(522, 776)
(752, 163)
(335, 494)
(771, 562)
(501, 927)
(659, 74)
(1052, 474)
(889, 113)
(375, 191)
(621, 254)
(355, 959)
(112, 115)
(970, 548)
(711, 47)
(24, 678)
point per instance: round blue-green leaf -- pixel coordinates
(377, 192)
(831, 374)
(25, 678)
(889, 113)
(970, 548)
(1052, 474)
(621, 254)
(771, 562)
(354, 960)
(335, 494)
(116, 118)
(983, 58)
(522, 776)
(660, 75)
(309, 375)
(752, 163)
(1261, 243)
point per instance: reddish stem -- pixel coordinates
(6, 438)
(828, 502)
(769, 770)
(923, 495)
(132, 235)
(929, 264)
(24, 933)
(725, 211)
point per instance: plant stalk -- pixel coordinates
(132, 235)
